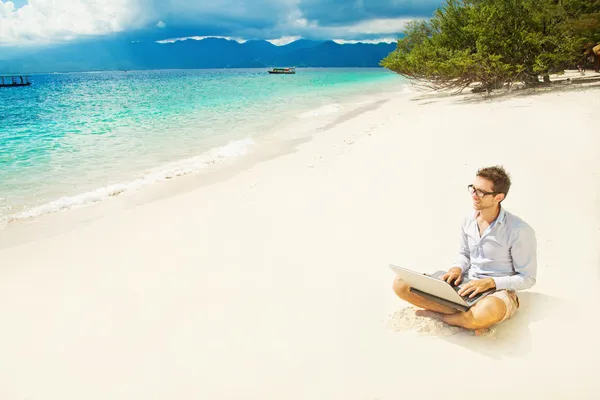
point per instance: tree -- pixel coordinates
(489, 43)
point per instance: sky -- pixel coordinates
(43, 22)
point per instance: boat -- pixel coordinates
(14, 81)
(290, 70)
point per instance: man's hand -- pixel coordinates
(476, 287)
(453, 275)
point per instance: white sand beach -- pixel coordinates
(273, 282)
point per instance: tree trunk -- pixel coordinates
(546, 78)
(531, 80)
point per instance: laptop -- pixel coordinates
(431, 287)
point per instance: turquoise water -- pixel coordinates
(70, 139)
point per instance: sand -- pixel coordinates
(272, 282)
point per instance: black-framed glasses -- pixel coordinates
(481, 193)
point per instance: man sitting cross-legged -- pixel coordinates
(497, 251)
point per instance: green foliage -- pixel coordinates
(584, 21)
(493, 42)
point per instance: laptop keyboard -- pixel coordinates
(466, 297)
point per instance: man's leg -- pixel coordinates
(402, 289)
(487, 312)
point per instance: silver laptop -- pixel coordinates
(433, 288)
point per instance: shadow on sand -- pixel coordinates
(513, 337)
(466, 97)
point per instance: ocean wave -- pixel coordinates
(167, 171)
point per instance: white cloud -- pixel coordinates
(161, 25)
(282, 41)
(386, 28)
(369, 31)
(47, 21)
(6, 8)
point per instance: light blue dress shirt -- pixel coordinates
(506, 252)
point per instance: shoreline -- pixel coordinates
(281, 139)
(161, 146)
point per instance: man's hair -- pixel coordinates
(498, 176)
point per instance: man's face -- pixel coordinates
(482, 200)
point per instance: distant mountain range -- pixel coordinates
(112, 54)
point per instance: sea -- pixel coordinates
(70, 140)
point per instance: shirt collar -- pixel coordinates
(501, 216)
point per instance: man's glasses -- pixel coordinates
(481, 193)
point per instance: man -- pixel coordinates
(497, 251)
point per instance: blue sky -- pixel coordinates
(42, 22)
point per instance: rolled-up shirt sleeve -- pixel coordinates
(524, 255)
(463, 259)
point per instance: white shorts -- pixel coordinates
(510, 299)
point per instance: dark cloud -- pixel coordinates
(219, 13)
(343, 12)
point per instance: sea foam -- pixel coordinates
(167, 171)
